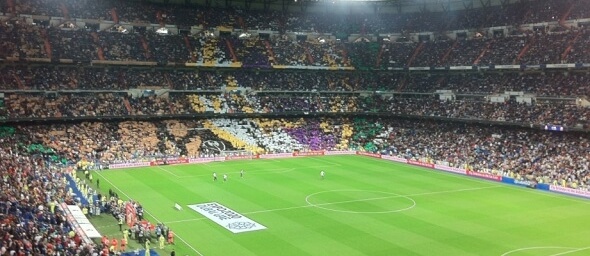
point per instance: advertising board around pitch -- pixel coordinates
(227, 218)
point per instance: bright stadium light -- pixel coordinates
(162, 31)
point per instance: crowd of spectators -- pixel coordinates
(579, 51)
(396, 55)
(550, 84)
(516, 152)
(65, 105)
(121, 47)
(544, 84)
(554, 158)
(77, 45)
(503, 50)
(23, 40)
(537, 112)
(547, 48)
(434, 53)
(466, 52)
(33, 187)
(253, 52)
(373, 21)
(34, 225)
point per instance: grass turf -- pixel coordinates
(364, 206)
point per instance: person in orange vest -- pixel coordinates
(123, 244)
(114, 244)
(170, 237)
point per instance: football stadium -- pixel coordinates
(295, 127)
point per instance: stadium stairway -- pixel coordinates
(145, 46)
(570, 46)
(482, 53)
(402, 84)
(444, 58)
(524, 49)
(308, 55)
(128, 106)
(344, 55)
(114, 15)
(242, 23)
(18, 82)
(417, 51)
(64, 11)
(46, 43)
(441, 80)
(231, 50)
(187, 43)
(565, 15)
(271, 53)
(10, 6)
(168, 81)
(160, 18)
(99, 50)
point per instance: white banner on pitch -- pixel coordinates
(227, 218)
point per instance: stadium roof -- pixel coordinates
(400, 5)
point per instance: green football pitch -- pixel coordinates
(364, 206)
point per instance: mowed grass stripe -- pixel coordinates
(481, 220)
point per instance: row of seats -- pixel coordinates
(372, 20)
(109, 104)
(552, 83)
(22, 40)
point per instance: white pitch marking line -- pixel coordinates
(319, 158)
(536, 248)
(240, 162)
(571, 251)
(173, 174)
(394, 196)
(348, 201)
(154, 217)
(263, 171)
(363, 200)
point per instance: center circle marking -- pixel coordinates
(391, 196)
